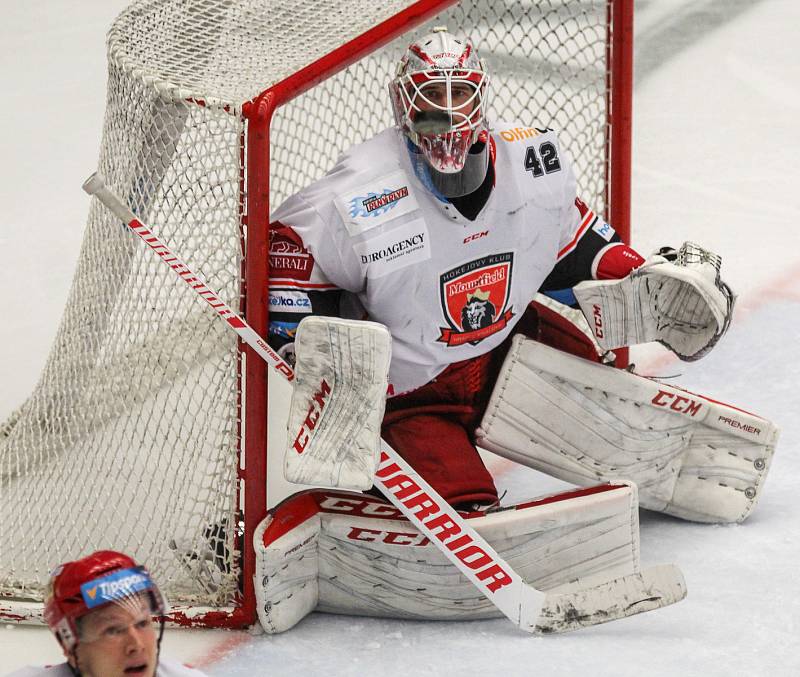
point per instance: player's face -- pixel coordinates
(433, 96)
(118, 641)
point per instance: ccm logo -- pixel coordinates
(314, 412)
(597, 313)
(356, 506)
(390, 537)
(683, 405)
(475, 236)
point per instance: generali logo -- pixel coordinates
(288, 258)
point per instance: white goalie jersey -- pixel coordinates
(447, 287)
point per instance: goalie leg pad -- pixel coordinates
(690, 456)
(287, 567)
(356, 554)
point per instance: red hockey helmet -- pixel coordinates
(80, 587)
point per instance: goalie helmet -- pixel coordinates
(85, 585)
(439, 102)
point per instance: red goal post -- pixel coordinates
(148, 429)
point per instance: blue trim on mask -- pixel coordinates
(421, 169)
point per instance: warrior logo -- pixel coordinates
(375, 204)
(474, 298)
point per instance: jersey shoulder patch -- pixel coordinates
(376, 200)
(291, 264)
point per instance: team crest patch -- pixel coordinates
(474, 298)
(376, 202)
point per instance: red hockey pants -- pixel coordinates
(431, 428)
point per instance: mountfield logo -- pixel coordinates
(474, 297)
(375, 204)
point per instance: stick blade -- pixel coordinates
(651, 589)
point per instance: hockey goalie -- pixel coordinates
(451, 237)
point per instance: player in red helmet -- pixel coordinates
(101, 609)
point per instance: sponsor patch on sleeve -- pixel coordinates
(604, 230)
(288, 258)
(396, 249)
(377, 202)
(289, 301)
(285, 330)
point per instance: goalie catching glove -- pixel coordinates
(341, 378)
(682, 304)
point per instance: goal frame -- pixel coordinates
(619, 78)
(256, 184)
(254, 188)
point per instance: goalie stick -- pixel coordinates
(529, 609)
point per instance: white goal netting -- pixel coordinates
(131, 439)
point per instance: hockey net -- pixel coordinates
(146, 431)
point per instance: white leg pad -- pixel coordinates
(690, 456)
(286, 584)
(355, 554)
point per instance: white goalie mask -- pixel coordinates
(439, 100)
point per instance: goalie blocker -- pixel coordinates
(690, 456)
(340, 382)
